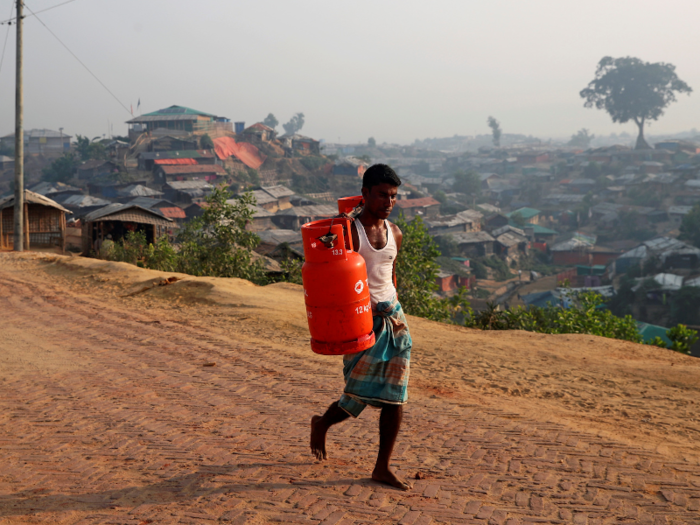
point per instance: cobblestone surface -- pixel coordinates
(144, 432)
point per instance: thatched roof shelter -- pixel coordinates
(44, 221)
(114, 221)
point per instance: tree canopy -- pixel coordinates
(371, 142)
(631, 89)
(582, 139)
(495, 131)
(271, 121)
(467, 182)
(89, 149)
(295, 124)
(690, 227)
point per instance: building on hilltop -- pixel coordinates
(259, 132)
(40, 142)
(177, 120)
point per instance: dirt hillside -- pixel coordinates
(633, 393)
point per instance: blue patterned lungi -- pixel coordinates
(379, 375)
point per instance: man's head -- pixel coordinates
(380, 184)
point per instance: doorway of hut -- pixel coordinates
(118, 230)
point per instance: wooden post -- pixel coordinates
(19, 136)
(26, 226)
(63, 232)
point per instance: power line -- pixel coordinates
(2, 57)
(80, 61)
(10, 20)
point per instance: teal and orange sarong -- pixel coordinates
(379, 375)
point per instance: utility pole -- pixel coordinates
(19, 139)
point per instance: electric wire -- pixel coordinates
(80, 61)
(2, 57)
(10, 20)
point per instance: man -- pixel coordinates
(378, 376)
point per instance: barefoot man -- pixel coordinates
(378, 376)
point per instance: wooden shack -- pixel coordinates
(44, 222)
(116, 220)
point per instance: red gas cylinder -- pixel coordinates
(338, 308)
(349, 204)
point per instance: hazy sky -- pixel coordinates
(395, 70)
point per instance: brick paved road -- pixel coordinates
(142, 432)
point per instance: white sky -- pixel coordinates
(395, 70)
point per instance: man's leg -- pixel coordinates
(389, 425)
(320, 426)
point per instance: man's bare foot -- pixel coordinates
(318, 439)
(387, 477)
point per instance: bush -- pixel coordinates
(682, 338)
(416, 272)
(216, 244)
(583, 317)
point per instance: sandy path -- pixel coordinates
(109, 416)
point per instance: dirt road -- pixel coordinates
(125, 401)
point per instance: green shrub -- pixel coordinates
(682, 338)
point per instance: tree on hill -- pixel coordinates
(495, 131)
(89, 149)
(582, 139)
(294, 125)
(371, 142)
(631, 89)
(271, 121)
(467, 182)
(206, 142)
(690, 227)
(62, 169)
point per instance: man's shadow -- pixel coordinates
(179, 488)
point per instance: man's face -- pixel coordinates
(380, 199)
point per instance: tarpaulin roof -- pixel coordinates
(243, 151)
(173, 213)
(173, 162)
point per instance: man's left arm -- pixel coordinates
(398, 237)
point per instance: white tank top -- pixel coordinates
(380, 264)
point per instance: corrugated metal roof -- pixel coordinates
(279, 236)
(320, 210)
(85, 201)
(277, 191)
(189, 185)
(510, 239)
(198, 168)
(472, 237)
(128, 212)
(507, 228)
(417, 203)
(39, 133)
(48, 188)
(139, 190)
(180, 154)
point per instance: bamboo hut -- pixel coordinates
(44, 222)
(116, 220)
